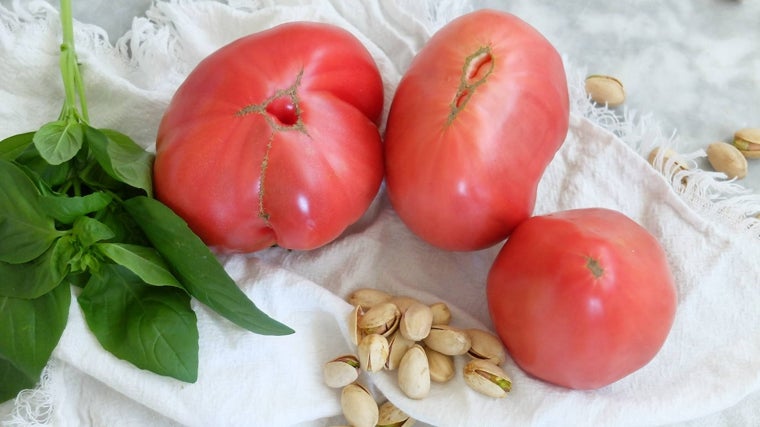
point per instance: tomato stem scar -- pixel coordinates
(476, 69)
(282, 111)
(594, 266)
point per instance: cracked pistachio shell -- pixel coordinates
(441, 313)
(341, 371)
(353, 324)
(728, 159)
(414, 373)
(747, 140)
(397, 347)
(448, 340)
(416, 321)
(486, 378)
(605, 90)
(381, 319)
(373, 352)
(486, 346)
(368, 298)
(391, 416)
(441, 366)
(359, 406)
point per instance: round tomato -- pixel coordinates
(476, 118)
(581, 298)
(273, 139)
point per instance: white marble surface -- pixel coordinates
(694, 65)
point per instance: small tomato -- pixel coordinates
(581, 298)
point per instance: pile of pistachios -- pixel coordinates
(417, 342)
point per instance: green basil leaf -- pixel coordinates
(25, 231)
(152, 327)
(88, 231)
(122, 224)
(66, 209)
(197, 268)
(121, 158)
(29, 331)
(51, 175)
(13, 146)
(12, 380)
(59, 141)
(145, 262)
(37, 277)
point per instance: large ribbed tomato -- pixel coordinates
(273, 139)
(476, 118)
(582, 298)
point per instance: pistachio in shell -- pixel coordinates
(605, 90)
(441, 366)
(403, 302)
(726, 158)
(341, 371)
(382, 319)
(414, 373)
(486, 346)
(359, 406)
(448, 340)
(398, 345)
(486, 378)
(373, 352)
(747, 140)
(392, 416)
(441, 313)
(353, 324)
(368, 297)
(416, 321)
(666, 160)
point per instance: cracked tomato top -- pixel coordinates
(273, 140)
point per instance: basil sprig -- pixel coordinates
(76, 209)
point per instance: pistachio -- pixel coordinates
(448, 340)
(391, 416)
(667, 161)
(486, 346)
(747, 140)
(416, 321)
(381, 319)
(605, 90)
(728, 159)
(397, 347)
(353, 324)
(373, 352)
(341, 371)
(441, 313)
(359, 406)
(403, 302)
(487, 378)
(368, 298)
(414, 373)
(441, 366)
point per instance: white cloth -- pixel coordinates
(709, 363)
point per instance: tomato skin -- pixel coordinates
(576, 324)
(273, 139)
(463, 177)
